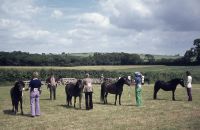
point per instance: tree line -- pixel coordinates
(18, 58)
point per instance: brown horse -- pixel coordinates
(113, 88)
(74, 89)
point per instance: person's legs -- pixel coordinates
(86, 100)
(138, 96)
(32, 103)
(54, 92)
(189, 94)
(90, 100)
(37, 104)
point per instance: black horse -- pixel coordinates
(74, 89)
(168, 86)
(113, 88)
(16, 96)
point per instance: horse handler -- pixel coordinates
(88, 90)
(138, 88)
(35, 85)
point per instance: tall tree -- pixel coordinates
(197, 49)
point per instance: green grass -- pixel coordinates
(162, 114)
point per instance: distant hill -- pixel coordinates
(81, 54)
(158, 57)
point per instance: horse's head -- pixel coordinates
(124, 80)
(181, 82)
(19, 85)
(79, 84)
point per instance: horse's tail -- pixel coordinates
(102, 91)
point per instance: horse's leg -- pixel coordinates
(80, 97)
(74, 101)
(21, 107)
(156, 89)
(16, 107)
(50, 89)
(70, 100)
(105, 98)
(120, 99)
(115, 98)
(173, 95)
(13, 105)
(67, 100)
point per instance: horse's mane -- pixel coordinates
(173, 80)
(19, 82)
(78, 82)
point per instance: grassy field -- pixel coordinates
(122, 68)
(162, 114)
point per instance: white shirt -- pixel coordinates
(142, 78)
(189, 81)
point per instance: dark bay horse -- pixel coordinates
(168, 86)
(16, 96)
(74, 89)
(113, 88)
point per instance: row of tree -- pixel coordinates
(18, 58)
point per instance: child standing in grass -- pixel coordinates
(138, 88)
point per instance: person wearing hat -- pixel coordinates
(88, 90)
(35, 91)
(138, 88)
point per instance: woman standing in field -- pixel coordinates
(189, 85)
(138, 88)
(88, 90)
(35, 85)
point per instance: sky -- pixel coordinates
(165, 27)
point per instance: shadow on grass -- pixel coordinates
(128, 105)
(45, 99)
(70, 107)
(101, 103)
(164, 99)
(10, 112)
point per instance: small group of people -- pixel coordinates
(35, 90)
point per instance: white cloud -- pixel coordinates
(135, 26)
(94, 18)
(19, 8)
(57, 14)
(32, 34)
(7, 23)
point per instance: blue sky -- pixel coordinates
(75, 26)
